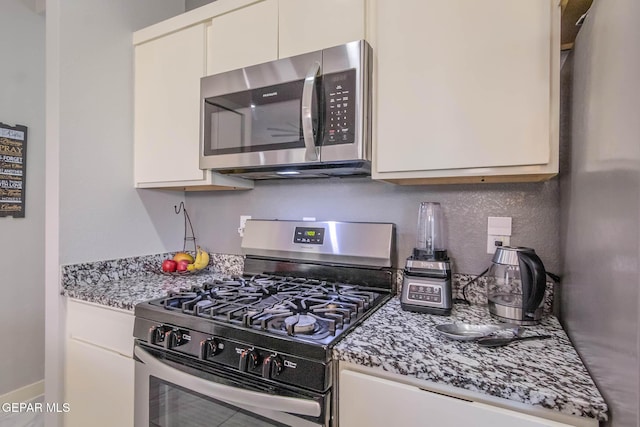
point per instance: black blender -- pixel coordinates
(426, 287)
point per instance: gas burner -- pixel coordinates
(302, 309)
(300, 324)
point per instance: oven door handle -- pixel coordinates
(227, 393)
(311, 153)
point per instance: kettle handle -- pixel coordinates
(533, 279)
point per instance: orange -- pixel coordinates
(183, 256)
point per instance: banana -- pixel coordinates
(201, 261)
(192, 266)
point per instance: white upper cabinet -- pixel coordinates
(244, 37)
(466, 90)
(310, 25)
(172, 56)
(463, 90)
(167, 113)
(167, 106)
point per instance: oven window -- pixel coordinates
(171, 406)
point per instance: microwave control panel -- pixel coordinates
(339, 93)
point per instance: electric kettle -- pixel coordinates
(516, 282)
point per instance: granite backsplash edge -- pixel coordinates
(103, 272)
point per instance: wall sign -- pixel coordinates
(13, 169)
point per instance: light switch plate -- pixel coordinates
(499, 225)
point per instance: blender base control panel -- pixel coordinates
(426, 295)
(424, 292)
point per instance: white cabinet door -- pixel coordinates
(98, 387)
(167, 106)
(309, 25)
(99, 366)
(107, 327)
(243, 37)
(464, 84)
(369, 401)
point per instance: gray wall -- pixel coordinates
(93, 211)
(22, 240)
(534, 208)
(101, 215)
(601, 206)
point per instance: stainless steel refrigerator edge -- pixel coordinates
(600, 204)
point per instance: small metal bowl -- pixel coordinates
(469, 332)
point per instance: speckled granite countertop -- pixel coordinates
(126, 293)
(122, 283)
(546, 373)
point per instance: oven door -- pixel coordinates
(171, 390)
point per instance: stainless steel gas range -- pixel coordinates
(256, 350)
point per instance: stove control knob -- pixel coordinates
(208, 348)
(156, 334)
(272, 366)
(172, 339)
(248, 360)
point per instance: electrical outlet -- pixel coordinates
(494, 241)
(498, 232)
(243, 222)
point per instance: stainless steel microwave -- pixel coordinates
(303, 116)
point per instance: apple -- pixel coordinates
(169, 265)
(182, 265)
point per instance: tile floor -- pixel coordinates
(23, 419)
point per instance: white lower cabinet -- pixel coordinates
(98, 386)
(99, 368)
(367, 400)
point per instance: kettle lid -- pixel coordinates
(508, 255)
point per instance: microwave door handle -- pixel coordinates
(227, 393)
(311, 153)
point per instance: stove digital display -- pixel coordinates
(314, 236)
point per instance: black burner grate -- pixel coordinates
(308, 308)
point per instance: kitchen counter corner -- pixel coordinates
(546, 373)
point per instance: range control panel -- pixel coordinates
(309, 235)
(340, 91)
(203, 348)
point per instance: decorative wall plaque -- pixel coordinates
(13, 170)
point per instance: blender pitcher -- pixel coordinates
(429, 244)
(426, 284)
